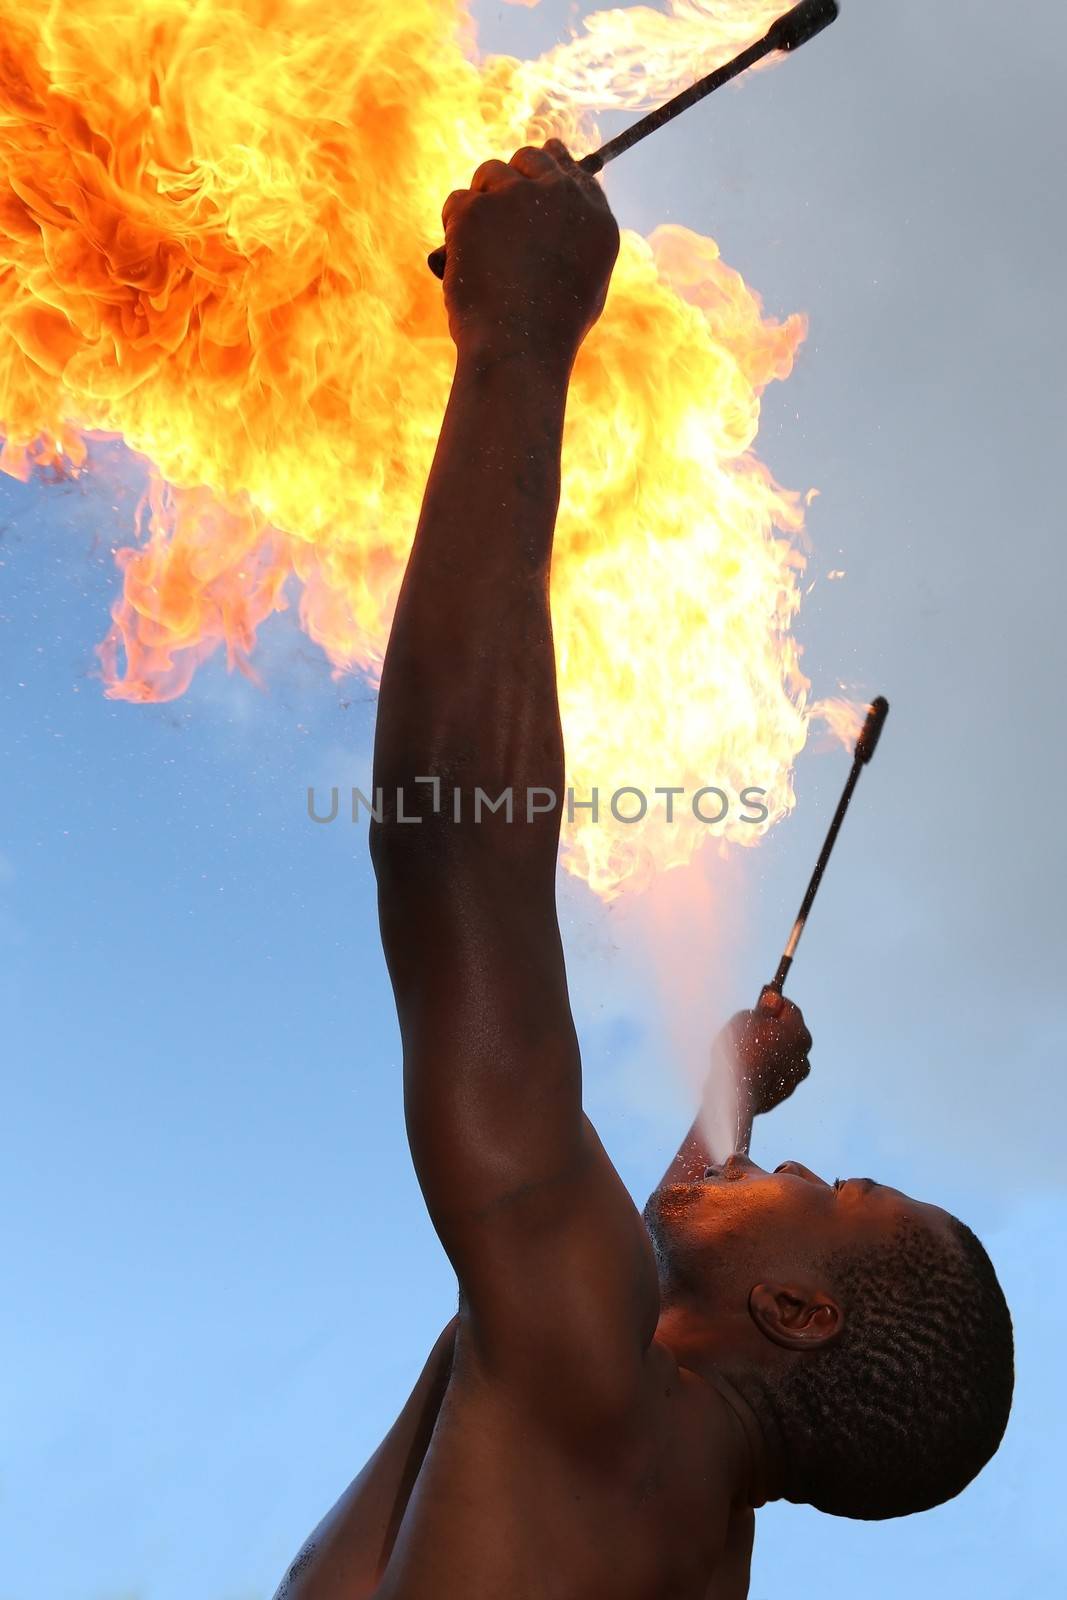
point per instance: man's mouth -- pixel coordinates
(728, 1171)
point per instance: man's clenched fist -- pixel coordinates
(770, 1048)
(531, 246)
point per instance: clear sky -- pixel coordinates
(219, 1283)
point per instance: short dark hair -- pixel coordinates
(901, 1412)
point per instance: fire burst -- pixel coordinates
(214, 220)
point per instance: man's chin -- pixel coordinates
(678, 1233)
(666, 1211)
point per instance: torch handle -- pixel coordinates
(866, 745)
(776, 985)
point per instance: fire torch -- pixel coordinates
(788, 33)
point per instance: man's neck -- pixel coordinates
(761, 1451)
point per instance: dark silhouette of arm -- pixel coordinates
(550, 1252)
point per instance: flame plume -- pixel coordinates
(214, 216)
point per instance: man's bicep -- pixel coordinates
(492, 1074)
(544, 1238)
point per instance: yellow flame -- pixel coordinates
(213, 226)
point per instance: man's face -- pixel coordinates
(742, 1225)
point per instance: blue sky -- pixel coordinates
(220, 1283)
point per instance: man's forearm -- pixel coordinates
(468, 691)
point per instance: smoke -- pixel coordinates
(686, 930)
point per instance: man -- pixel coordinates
(616, 1395)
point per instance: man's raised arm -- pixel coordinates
(514, 1178)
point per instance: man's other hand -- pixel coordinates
(771, 1050)
(531, 247)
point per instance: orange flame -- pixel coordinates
(213, 229)
(844, 718)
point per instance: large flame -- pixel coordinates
(214, 217)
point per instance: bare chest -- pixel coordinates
(502, 1508)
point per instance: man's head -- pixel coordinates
(867, 1330)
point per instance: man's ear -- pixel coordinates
(795, 1316)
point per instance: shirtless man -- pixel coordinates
(617, 1394)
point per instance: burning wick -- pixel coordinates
(788, 33)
